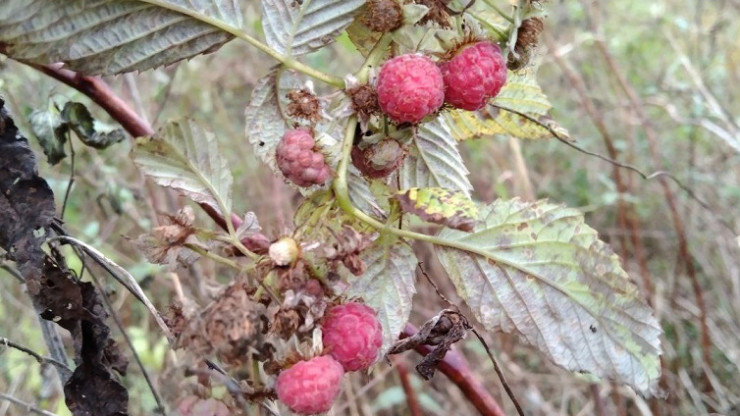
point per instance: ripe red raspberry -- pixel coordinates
(352, 335)
(298, 161)
(310, 387)
(410, 87)
(474, 75)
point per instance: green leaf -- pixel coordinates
(388, 286)
(185, 157)
(434, 161)
(439, 205)
(115, 36)
(538, 270)
(88, 130)
(299, 27)
(50, 131)
(365, 38)
(521, 93)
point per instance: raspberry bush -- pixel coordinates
(374, 152)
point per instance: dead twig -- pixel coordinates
(483, 342)
(25, 405)
(62, 367)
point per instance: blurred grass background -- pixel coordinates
(652, 84)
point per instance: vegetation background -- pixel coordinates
(655, 85)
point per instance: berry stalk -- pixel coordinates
(374, 57)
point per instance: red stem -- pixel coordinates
(101, 94)
(456, 368)
(403, 374)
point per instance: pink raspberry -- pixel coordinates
(474, 75)
(410, 87)
(352, 335)
(298, 161)
(310, 387)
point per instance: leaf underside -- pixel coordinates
(114, 36)
(434, 161)
(299, 27)
(265, 124)
(536, 269)
(388, 286)
(185, 157)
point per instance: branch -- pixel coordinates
(101, 94)
(411, 399)
(39, 358)
(456, 368)
(28, 406)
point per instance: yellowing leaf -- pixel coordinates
(521, 94)
(439, 205)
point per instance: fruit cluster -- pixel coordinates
(411, 87)
(352, 337)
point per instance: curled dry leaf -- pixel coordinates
(166, 244)
(27, 207)
(442, 331)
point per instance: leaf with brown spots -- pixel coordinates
(441, 206)
(559, 287)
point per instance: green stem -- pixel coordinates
(285, 60)
(375, 56)
(499, 11)
(500, 33)
(244, 250)
(215, 257)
